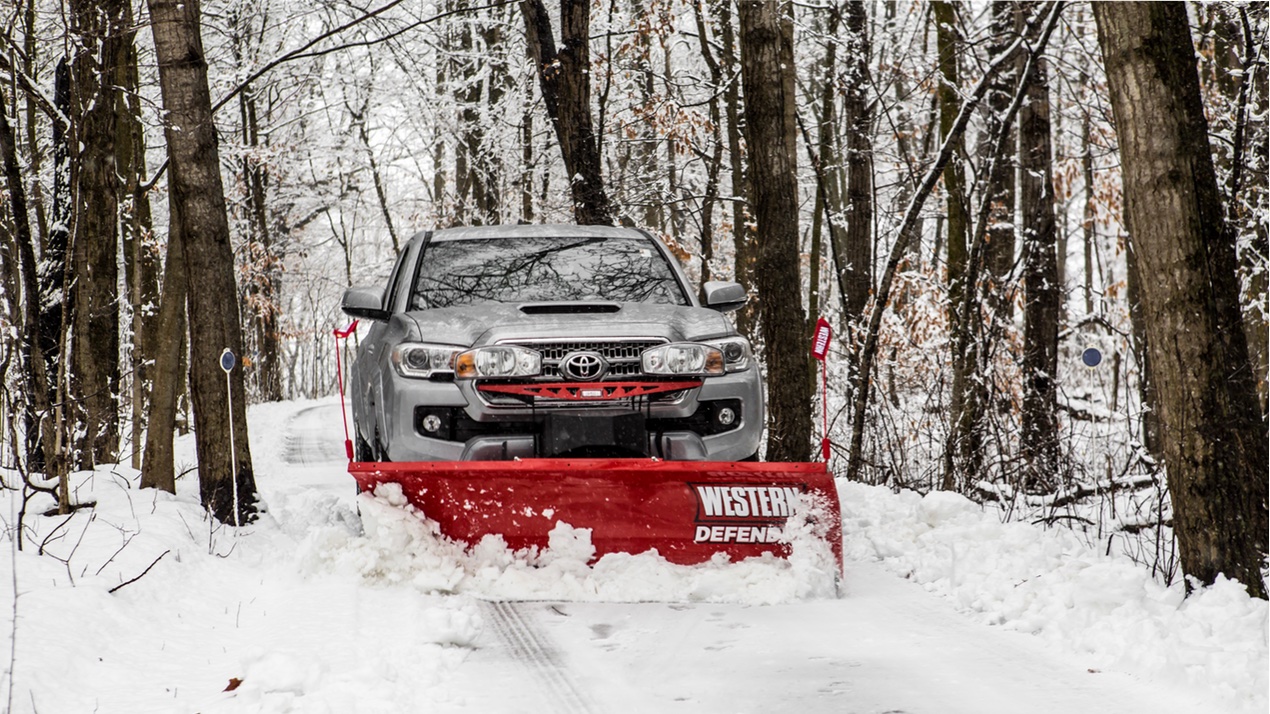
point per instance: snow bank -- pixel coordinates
(398, 544)
(1047, 582)
(201, 619)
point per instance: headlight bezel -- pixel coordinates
(745, 354)
(498, 362)
(683, 359)
(440, 359)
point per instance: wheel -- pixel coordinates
(362, 450)
(751, 457)
(381, 451)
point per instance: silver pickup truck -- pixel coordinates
(549, 341)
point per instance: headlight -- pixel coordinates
(498, 362)
(682, 358)
(736, 352)
(416, 359)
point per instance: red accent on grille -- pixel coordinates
(588, 391)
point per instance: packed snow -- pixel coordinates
(334, 602)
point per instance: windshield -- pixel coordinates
(540, 269)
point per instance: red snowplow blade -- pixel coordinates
(687, 510)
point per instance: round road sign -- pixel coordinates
(227, 361)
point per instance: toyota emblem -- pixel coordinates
(583, 366)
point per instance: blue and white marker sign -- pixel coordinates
(227, 361)
(1092, 357)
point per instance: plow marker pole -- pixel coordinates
(339, 378)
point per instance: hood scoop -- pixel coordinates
(569, 308)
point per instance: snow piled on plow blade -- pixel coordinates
(400, 544)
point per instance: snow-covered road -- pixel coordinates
(888, 646)
(314, 609)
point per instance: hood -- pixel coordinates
(472, 325)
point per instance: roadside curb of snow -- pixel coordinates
(1049, 583)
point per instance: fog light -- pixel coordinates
(726, 416)
(431, 423)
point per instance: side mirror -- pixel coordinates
(725, 296)
(364, 303)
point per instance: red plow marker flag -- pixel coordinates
(820, 350)
(343, 334)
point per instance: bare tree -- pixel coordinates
(744, 239)
(565, 78)
(199, 200)
(157, 467)
(963, 410)
(20, 274)
(1038, 32)
(858, 108)
(767, 72)
(97, 72)
(1214, 438)
(1041, 288)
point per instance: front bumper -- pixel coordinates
(475, 427)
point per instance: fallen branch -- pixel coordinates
(142, 575)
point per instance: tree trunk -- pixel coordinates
(22, 272)
(527, 163)
(490, 161)
(97, 73)
(439, 211)
(1039, 439)
(1214, 438)
(1138, 330)
(830, 181)
(1239, 65)
(743, 238)
(711, 196)
(141, 262)
(54, 292)
(195, 183)
(1256, 259)
(827, 164)
(949, 42)
(648, 170)
(263, 260)
(381, 194)
(1087, 225)
(767, 69)
(962, 409)
(35, 150)
(999, 253)
(565, 79)
(859, 117)
(157, 468)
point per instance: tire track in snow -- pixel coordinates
(529, 645)
(312, 436)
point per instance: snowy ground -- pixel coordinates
(317, 609)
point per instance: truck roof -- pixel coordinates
(540, 230)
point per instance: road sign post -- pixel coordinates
(227, 362)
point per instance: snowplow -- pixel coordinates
(517, 378)
(687, 511)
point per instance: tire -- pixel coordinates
(381, 452)
(362, 450)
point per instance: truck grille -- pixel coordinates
(622, 355)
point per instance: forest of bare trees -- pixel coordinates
(1039, 228)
